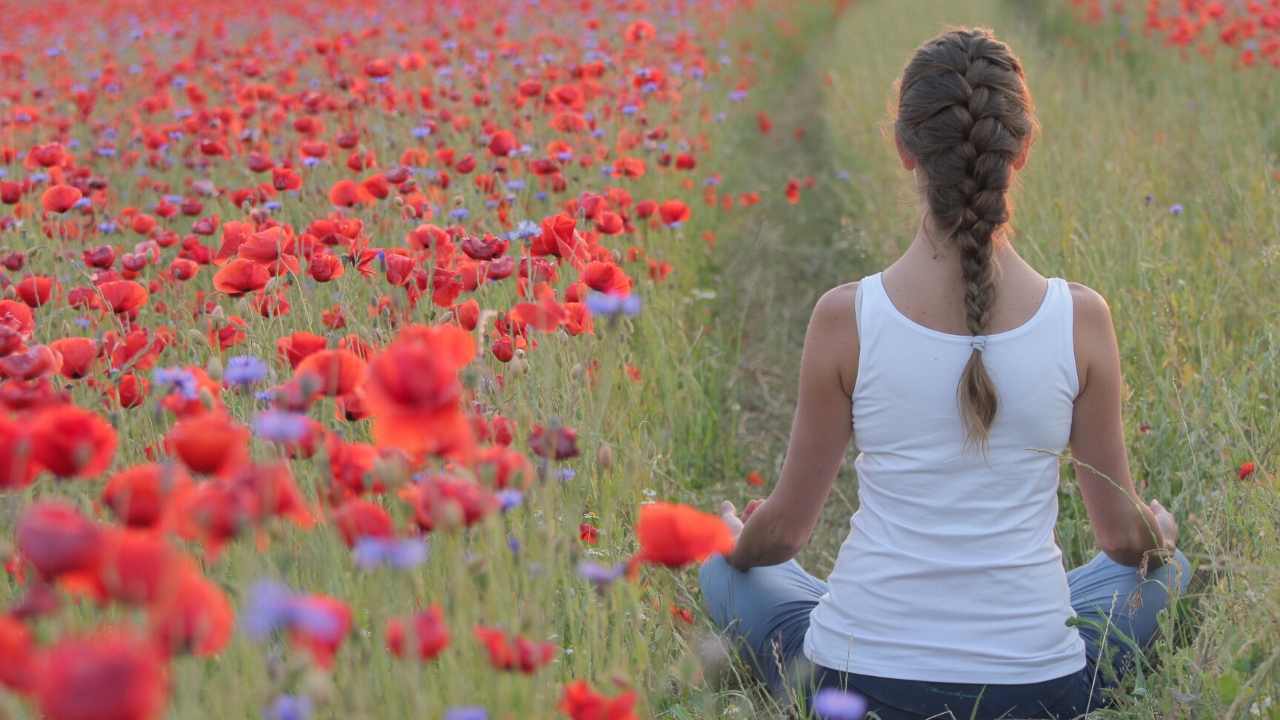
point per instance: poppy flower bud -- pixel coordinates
(390, 470)
(604, 456)
(214, 368)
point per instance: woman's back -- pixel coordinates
(950, 571)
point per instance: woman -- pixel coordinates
(965, 373)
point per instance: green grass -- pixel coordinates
(1194, 296)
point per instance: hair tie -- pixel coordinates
(979, 342)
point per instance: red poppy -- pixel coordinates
(33, 363)
(580, 702)
(509, 467)
(70, 441)
(138, 567)
(1246, 469)
(208, 443)
(676, 535)
(124, 296)
(588, 533)
(137, 496)
(325, 266)
(193, 617)
(60, 198)
(337, 371)
(19, 655)
(78, 355)
(131, 390)
(298, 346)
(17, 317)
(110, 675)
(414, 394)
(18, 467)
(556, 443)
(35, 290)
(240, 276)
(351, 467)
(348, 193)
(357, 518)
(514, 652)
(267, 246)
(56, 539)
(430, 634)
(444, 502)
(324, 635)
(502, 143)
(673, 211)
(606, 277)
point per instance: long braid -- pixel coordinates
(965, 115)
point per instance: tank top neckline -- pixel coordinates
(1026, 326)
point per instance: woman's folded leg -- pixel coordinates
(763, 612)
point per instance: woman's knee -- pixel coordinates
(714, 578)
(1176, 574)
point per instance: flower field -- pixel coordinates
(380, 359)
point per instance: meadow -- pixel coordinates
(443, 467)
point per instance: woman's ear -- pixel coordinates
(908, 161)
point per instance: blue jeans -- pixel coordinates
(765, 611)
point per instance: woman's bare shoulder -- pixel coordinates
(835, 309)
(1091, 309)
(833, 332)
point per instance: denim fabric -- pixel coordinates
(765, 611)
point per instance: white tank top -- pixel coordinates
(951, 572)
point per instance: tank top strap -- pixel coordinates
(869, 307)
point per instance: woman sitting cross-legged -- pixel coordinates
(961, 373)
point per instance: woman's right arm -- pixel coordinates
(1126, 528)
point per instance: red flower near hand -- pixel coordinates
(677, 535)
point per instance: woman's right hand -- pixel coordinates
(1166, 524)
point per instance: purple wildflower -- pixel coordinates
(244, 370)
(397, 553)
(834, 704)
(289, 707)
(509, 499)
(466, 712)
(280, 426)
(600, 575)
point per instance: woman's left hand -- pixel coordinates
(729, 514)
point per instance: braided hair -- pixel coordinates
(965, 116)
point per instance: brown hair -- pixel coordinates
(965, 116)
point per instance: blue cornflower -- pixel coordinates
(1176, 209)
(280, 426)
(244, 370)
(611, 306)
(397, 553)
(509, 499)
(600, 575)
(835, 704)
(289, 707)
(178, 380)
(466, 712)
(273, 607)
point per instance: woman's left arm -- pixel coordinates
(820, 432)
